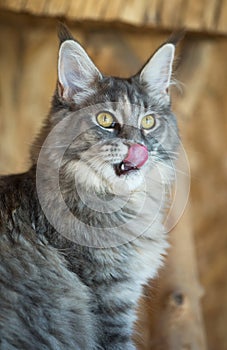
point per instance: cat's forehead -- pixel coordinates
(123, 99)
(129, 90)
(128, 110)
(127, 105)
(130, 98)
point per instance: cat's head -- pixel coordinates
(115, 131)
(107, 160)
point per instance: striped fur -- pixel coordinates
(77, 287)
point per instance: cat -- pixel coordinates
(82, 231)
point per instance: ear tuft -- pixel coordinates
(176, 37)
(156, 74)
(64, 33)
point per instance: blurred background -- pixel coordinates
(120, 36)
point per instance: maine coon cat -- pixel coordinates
(82, 231)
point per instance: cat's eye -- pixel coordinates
(105, 119)
(148, 122)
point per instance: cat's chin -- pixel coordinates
(127, 181)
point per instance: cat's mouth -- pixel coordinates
(135, 159)
(124, 168)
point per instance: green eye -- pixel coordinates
(105, 119)
(148, 122)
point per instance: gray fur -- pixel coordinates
(55, 293)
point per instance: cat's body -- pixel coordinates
(56, 310)
(56, 293)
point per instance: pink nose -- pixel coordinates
(137, 156)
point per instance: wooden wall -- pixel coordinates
(200, 15)
(28, 56)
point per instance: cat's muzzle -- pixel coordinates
(135, 159)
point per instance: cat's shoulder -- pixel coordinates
(15, 181)
(16, 198)
(16, 188)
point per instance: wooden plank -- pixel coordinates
(209, 14)
(56, 7)
(14, 5)
(199, 15)
(171, 13)
(132, 11)
(152, 12)
(94, 9)
(112, 12)
(74, 9)
(222, 20)
(36, 7)
(193, 13)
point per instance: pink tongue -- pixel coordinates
(137, 156)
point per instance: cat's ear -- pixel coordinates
(156, 74)
(76, 71)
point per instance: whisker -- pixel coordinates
(160, 161)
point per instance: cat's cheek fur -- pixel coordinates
(85, 177)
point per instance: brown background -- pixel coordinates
(120, 36)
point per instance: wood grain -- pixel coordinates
(202, 15)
